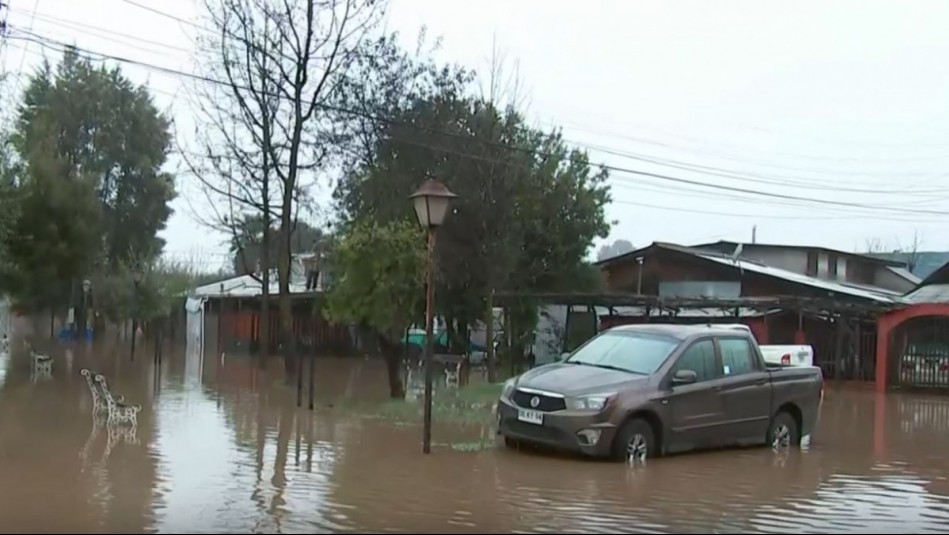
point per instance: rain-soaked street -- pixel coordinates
(221, 447)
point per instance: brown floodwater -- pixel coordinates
(221, 447)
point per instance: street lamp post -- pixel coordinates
(136, 281)
(431, 202)
(84, 309)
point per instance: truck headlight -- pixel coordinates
(508, 388)
(589, 403)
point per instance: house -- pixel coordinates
(225, 316)
(854, 269)
(801, 300)
(666, 269)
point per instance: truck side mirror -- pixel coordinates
(684, 377)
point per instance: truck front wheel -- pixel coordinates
(783, 432)
(635, 441)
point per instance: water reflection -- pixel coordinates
(221, 447)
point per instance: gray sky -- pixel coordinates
(833, 102)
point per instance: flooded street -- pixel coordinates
(221, 447)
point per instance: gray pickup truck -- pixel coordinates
(638, 391)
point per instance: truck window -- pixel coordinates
(700, 358)
(737, 356)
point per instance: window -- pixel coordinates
(700, 358)
(812, 261)
(737, 356)
(635, 352)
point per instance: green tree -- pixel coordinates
(53, 236)
(528, 207)
(379, 284)
(299, 52)
(101, 127)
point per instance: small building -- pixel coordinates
(822, 263)
(834, 309)
(226, 316)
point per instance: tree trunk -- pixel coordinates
(263, 331)
(392, 354)
(286, 312)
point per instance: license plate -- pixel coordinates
(531, 417)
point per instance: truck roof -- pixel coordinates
(682, 331)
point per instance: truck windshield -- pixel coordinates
(633, 352)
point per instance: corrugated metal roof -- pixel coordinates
(934, 293)
(799, 279)
(245, 286)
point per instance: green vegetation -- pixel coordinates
(83, 193)
(84, 190)
(529, 206)
(469, 405)
(379, 284)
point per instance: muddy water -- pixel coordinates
(221, 447)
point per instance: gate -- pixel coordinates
(919, 353)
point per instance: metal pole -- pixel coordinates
(639, 282)
(299, 380)
(134, 329)
(429, 340)
(81, 323)
(134, 320)
(312, 364)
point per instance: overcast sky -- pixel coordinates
(822, 123)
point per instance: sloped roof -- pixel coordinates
(924, 262)
(248, 286)
(879, 296)
(791, 276)
(932, 293)
(729, 246)
(905, 273)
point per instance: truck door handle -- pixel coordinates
(717, 388)
(761, 382)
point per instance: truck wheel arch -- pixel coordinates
(795, 412)
(654, 422)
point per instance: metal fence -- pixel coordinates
(919, 353)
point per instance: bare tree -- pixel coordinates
(277, 62)
(908, 252)
(234, 138)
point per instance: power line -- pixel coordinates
(89, 29)
(44, 41)
(780, 180)
(16, 92)
(164, 14)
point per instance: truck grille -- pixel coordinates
(545, 403)
(533, 432)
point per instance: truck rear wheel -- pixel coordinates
(783, 432)
(635, 441)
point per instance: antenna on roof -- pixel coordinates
(737, 253)
(735, 257)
